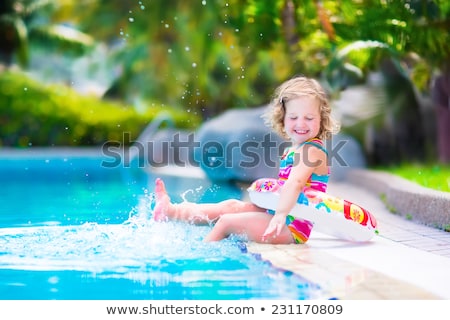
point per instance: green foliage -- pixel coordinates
(35, 115)
(434, 176)
(207, 56)
(23, 22)
(406, 27)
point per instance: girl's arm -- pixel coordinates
(307, 160)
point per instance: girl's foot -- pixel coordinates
(163, 205)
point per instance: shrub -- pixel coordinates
(33, 114)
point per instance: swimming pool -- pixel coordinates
(72, 229)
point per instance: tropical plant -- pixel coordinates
(409, 42)
(206, 56)
(26, 21)
(56, 115)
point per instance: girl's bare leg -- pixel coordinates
(199, 213)
(251, 224)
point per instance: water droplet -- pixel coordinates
(131, 19)
(53, 280)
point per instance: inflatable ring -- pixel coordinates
(329, 214)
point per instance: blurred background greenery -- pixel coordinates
(83, 72)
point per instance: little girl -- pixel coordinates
(301, 113)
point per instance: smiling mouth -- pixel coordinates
(301, 131)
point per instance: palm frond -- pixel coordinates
(22, 39)
(67, 34)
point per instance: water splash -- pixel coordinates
(137, 244)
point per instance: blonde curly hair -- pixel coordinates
(300, 86)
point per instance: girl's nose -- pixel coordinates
(300, 123)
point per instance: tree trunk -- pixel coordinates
(288, 18)
(440, 92)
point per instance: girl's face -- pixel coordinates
(302, 119)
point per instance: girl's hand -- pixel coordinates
(274, 228)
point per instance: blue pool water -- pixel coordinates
(72, 229)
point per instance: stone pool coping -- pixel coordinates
(406, 198)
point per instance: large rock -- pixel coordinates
(237, 145)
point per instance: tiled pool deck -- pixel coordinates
(406, 260)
